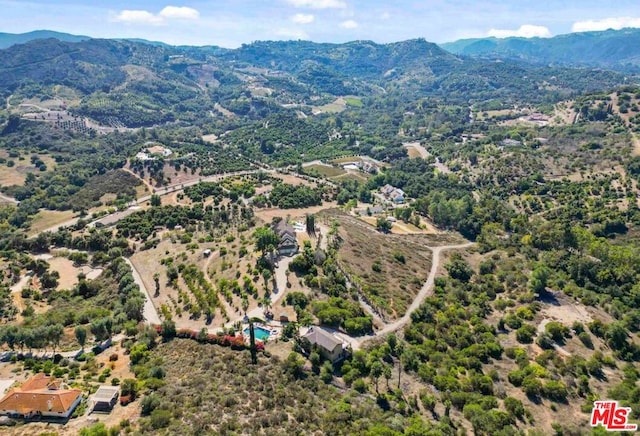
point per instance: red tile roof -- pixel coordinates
(42, 394)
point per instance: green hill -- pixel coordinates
(9, 39)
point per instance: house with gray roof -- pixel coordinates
(328, 345)
(288, 243)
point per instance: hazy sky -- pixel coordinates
(229, 23)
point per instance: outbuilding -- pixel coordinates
(104, 399)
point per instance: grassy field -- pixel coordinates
(390, 270)
(353, 175)
(341, 160)
(334, 107)
(326, 171)
(353, 101)
(49, 218)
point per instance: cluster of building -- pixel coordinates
(392, 194)
(367, 167)
(152, 153)
(42, 396)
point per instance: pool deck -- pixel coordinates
(274, 330)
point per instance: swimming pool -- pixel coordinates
(262, 334)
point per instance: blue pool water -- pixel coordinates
(261, 333)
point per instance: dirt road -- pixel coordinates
(150, 313)
(9, 199)
(425, 291)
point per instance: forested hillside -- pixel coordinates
(462, 230)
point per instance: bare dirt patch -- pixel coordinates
(69, 272)
(210, 138)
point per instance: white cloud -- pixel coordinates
(524, 31)
(615, 23)
(318, 4)
(385, 16)
(303, 18)
(180, 13)
(137, 17)
(292, 33)
(166, 14)
(349, 24)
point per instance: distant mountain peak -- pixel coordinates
(618, 49)
(9, 39)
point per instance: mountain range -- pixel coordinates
(9, 39)
(150, 83)
(617, 49)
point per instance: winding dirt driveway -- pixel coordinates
(425, 291)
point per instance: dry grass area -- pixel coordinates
(14, 175)
(176, 177)
(210, 138)
(148, 262)
(402, 228)
(326, 170)
(48, 218)
(413, 153)
(563, 113)
(227, 113)
(487, 115)
(343, 160)
(338, 105)
(389, 269)
(353, 175)
(293, 180)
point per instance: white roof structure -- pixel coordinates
(105, 394)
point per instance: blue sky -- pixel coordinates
(229, 23)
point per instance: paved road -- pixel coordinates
(110, 219)
(281, 282)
